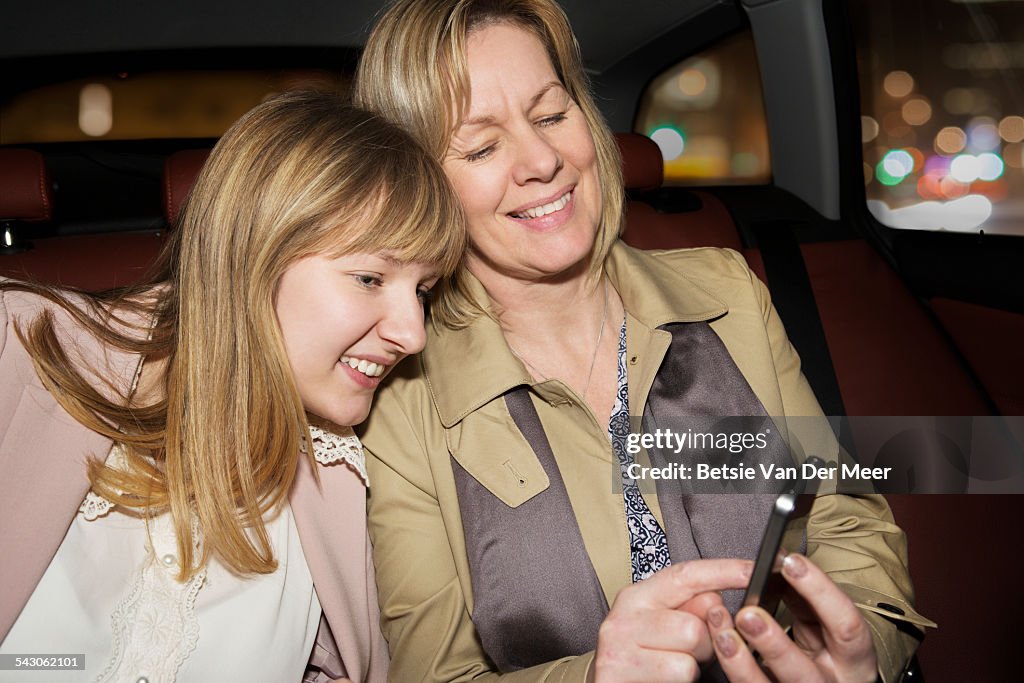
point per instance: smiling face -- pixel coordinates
(523, 163)
(346, 321)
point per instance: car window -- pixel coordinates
(942, 112)
(707, 115)
(147, 105)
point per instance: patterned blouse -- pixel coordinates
(648, 544)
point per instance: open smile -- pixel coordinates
(548, 213)
(368, 368)
(541, 210)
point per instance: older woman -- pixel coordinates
(498, 540)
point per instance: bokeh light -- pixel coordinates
(929, 186)
(670, 140)
(950, 140)
(898, 163)
(898, 83)
(960, 215)
(868, 129)
(692, 82)
(965, 168)
(982, 134)
(953, 188)
(937, 164)
(990, 166)
(1011, 128)
(916, 111)
(95, 110)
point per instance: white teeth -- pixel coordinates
(545, 209)
(368, 368)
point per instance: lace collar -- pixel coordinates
(330, 448)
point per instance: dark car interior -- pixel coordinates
(887, 321)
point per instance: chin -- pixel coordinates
(349, 413)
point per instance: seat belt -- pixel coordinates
(791, 291)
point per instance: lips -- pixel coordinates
(540, 210)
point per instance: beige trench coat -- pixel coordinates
(449, 404)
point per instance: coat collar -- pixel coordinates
(467, 368)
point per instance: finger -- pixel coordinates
(735, 659)
(846, 634)
(659, 630)
(673, 586)
(646, 666)
(700, 604)
(778, 653)
(806, 628)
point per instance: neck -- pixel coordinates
(540, 310)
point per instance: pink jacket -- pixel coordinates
(43, 453)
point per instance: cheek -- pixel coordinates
(583, 151)
(480, 190)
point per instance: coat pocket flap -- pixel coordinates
(489, 446)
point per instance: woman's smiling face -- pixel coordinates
(523, 162)
(345, 322)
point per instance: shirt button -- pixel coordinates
(169, 560)
(142, 679)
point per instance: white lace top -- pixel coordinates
(110, 593)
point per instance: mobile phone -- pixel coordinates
(781, 537)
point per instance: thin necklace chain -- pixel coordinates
(597, 347)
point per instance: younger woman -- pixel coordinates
(183, 495)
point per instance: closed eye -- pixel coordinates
(552, 120)
(480, 154)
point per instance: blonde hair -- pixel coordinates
(301, 174)
(413, 71)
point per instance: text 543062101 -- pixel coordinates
(41, 662)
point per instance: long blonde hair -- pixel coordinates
(301, 174)
(413, 71)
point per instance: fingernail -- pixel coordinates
(748, 570)
(751, 623)
(716, 615)
(726, 645)
(793, 566)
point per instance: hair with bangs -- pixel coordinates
(413, 71)
(299, 175)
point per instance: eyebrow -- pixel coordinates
(487, 119)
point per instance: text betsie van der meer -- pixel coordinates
(676, 442)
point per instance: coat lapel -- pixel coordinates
(43, 456)
(331, 519)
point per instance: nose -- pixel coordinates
(536, 158)
(402, 324)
